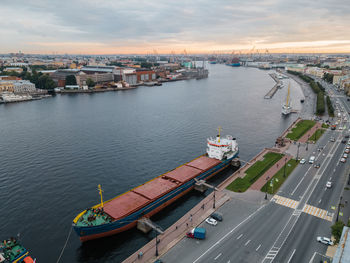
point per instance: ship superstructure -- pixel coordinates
(286, 108)
(123, 212)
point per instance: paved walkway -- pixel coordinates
(310, 132)
(270, 173)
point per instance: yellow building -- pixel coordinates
(6, 86)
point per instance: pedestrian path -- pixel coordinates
(307, 209)
(285, 201)
(318, 212)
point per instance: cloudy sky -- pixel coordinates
(163, 26)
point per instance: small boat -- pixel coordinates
(11, 251)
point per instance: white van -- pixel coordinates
(312, 159)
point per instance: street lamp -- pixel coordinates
(298, 152)
(214, 199)
(315, 135)
(285, 164)
(267, 178)
(157, 244)
(338, 209)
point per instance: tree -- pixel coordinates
(46, 82)
(90, 82)
(337, 230)
(70, 80)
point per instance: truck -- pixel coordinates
(197, 232)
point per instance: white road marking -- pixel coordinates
(320, 201)
(239, 236)
(247, 242)
(233, 229)
(217, 256)
(291, 255)
(258, 248)
(301, 181)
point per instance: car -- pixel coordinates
(329, 184)
(343, 141)
(317, 165)
(346, 136)
(345, 155)
(347, 147)
(312, 159)
(343, 160)
(325, 240)
(333, 127)
(211, 221)
(332, 139)
(302, 161)
(217, 216)
(347, 151)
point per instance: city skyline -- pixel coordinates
(144, 27)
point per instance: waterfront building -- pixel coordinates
(145, 75)
(17, 86)
(6, 86)
(13, 69)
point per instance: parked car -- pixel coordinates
(302, 161)
(347, 151)
(343, 160)
(211, 221)
(217, 216)
(346, 136)
(325, 240)
(329, 184)
(345, 155)
(343, 141)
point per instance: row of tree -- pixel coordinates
(330, 107)
(71, 80)
(317, 88)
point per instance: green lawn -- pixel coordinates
(300, 129)
(254, 172)
(292, 163)
(325, 126)
(317, 134)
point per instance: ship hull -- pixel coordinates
(86, 233)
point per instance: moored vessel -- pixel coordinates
(11, 251)
(122, 212)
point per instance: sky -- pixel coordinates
(164, 27)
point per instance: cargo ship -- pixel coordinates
(122, 212)
(11, 251)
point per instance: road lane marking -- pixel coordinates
(291, 256)
(247, 243)
(320, 201)
(230, 232)
(258, 248)
(239, 236)
(218, 256)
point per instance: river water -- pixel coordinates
(54, 152)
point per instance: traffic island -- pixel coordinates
(317, 134)
(253, 173)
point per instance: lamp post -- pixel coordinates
(267, 178)
(285, 164)
(338, 209)
(214, 199)
(298, 152)
(315, 135)
(157, 244)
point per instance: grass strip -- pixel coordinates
(317, 134)
(300, 129)
(279, 177)
(254, 172)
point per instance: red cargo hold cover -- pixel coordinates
(183, 173)
(155, 188)
(204, 163)
(125, 205)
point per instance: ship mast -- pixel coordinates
(219, 130)
(287, 100)
(100, 192)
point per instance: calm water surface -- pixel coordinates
(54, 152)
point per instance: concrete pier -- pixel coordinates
(277, 86)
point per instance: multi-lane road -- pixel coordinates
(285, 229)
